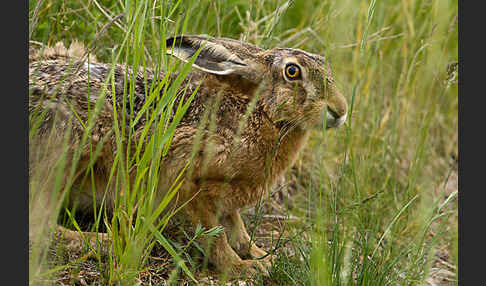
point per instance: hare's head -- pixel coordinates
(296, 87)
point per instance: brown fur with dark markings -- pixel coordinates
(233, 167)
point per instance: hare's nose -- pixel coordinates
(333, 119)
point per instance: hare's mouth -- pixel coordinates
(333, 119)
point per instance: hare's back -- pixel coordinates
(75, 87)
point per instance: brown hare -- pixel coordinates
(246, 150)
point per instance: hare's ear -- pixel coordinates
(213, 58)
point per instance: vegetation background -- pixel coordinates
(372, 203)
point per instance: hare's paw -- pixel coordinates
(246, 268)
(77, 242)
(261, 255)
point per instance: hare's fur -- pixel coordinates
(234, 158)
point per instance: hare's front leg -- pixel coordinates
(207, 208)
(240, 241)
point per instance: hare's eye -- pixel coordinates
(292, 71)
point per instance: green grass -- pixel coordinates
(371, 195)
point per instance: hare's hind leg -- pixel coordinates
(77, 242)
(207, 208)
(58, 181)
